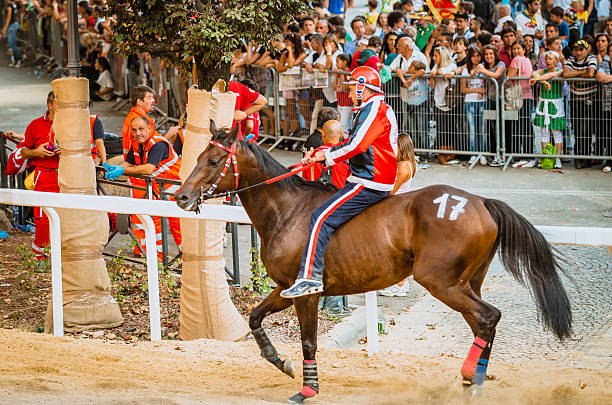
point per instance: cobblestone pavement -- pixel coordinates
(430, 328)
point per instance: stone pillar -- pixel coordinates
(206, 308)
(88, 303)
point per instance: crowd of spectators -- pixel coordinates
(483, 41)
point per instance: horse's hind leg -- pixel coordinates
(273, 303)
(308, 314)
(451, 287)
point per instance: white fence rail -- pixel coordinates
(122, 205)
(145, 208)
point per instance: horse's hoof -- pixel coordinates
(307, 392)
(297, 399)
(288, 368)
(474, 390)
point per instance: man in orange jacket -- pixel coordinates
(143, 100)
(150, 154)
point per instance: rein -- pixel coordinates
(295, 169)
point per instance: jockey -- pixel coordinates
(371, 150)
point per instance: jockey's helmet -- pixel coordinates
(365, 76)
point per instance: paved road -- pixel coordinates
(430, 328)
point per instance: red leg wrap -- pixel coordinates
(308, 391)
(469, 365)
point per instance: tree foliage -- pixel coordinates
(209, 31)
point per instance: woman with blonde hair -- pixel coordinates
(406, 169)
(442, 74)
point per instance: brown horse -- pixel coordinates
(443, 236)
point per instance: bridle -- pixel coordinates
(231, 158)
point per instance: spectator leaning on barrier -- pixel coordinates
(582, 65)
(152, 155)
(603, 144)
(445, 123)
(520, 137)
(345, 105)
(474, 90)
(327, 62)
(549, 121)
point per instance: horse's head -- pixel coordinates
(208, 176)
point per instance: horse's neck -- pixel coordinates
(268, 205)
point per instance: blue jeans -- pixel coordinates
(475, 121)
(12, 40)
(342, 206)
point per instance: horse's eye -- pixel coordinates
(213, 162)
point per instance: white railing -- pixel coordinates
(145, 208)
(122, 205)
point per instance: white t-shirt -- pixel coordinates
(473, 83)
(441, 85)
(329, 92)
(523, 24)
(105, 81)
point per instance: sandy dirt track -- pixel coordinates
(36, 369)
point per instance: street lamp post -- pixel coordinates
(74, 63)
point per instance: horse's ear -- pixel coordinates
(231, 138)
(213, 127)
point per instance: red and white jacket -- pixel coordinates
(371, 147)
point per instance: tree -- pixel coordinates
(208, 31)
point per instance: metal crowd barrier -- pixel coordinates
(499, 133)
(586, 135)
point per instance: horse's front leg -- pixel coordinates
(307, 310)
(273, 303)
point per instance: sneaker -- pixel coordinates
(302, 287)
(16, 65)
(497, 162)
(606, 169)
(558, 164)
(531, 163)
(472, 159)
(521, 163)
(483, 160)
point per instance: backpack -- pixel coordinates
(548, 163)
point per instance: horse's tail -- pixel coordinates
(527, 255)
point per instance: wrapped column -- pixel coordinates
(206, 308)
(88, 303)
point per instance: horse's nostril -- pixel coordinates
(181, 198)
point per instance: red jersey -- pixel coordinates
(339, 172)
(246, 98)
(38, 132)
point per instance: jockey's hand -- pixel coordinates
(318, 156)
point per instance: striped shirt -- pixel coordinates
(582, 88)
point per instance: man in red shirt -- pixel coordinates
(336, 174)
(38, 146)
(248, 103)
(509, 38)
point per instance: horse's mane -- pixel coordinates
(274, 168)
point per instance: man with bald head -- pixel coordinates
(337, 174)
(150, 154)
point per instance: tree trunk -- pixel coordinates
(207, 75)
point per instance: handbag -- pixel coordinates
(450, 94)
(513, 96)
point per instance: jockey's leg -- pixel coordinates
(341, 207)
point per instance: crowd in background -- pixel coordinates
(483, 41)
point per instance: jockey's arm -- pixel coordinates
(361, 139)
